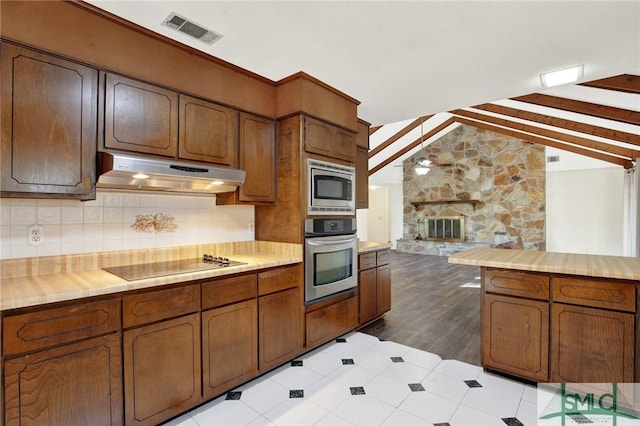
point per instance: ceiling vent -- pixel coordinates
(182, 24)
(553, 159)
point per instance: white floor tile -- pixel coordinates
(405, 372)
(373, 361)
(502, 384)
(296, 377)
(327, 393)
(449, 387)
(388, 390)
(296, 411)
(530, 393)
(184, 420)
(364, 410)
(226, 413)
(492, 402)
(422, 358)
(362, 339)
(527, 412)
(260, 421)
(458, 369)
(321, 362)
(467, 416)
(402, 418)
(429, 406)
(332, 420)
(344, 350)
(352, 375)
(265, 395)
(391, 348)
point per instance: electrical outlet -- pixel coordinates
(252, 228)
(35, 235)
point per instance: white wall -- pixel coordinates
(105, 224)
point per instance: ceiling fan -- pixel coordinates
(422, 165)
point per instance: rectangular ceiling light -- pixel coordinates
(182, 24)
(567, 75)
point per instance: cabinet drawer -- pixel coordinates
(382, 257)
(144, 308)
(331, 321)
(598, 294)
(229, 290)
(50, 327)
(516, 283)
(367, 260)
(279, 279)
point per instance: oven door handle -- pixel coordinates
(312, 242)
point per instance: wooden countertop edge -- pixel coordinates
(590, 265)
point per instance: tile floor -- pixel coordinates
(358, 379)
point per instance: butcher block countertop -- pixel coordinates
(589, 265)
(40, 280)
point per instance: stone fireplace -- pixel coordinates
(489, 191)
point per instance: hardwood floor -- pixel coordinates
(429, 309)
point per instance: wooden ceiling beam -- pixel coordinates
(581, 107)
(627, 83)
(576, 126)
(374, 129)
(552, 134)
(627, 164)
(406, 129)
(412, 145)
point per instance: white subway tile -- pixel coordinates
(24, 215)
(49, 214)
(93, 214)
(112, 215)
(71, 214)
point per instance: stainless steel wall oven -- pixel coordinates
(331, 255)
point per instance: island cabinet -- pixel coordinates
(258, 158)
(328, 140)
(161, 350)
(48, 116)
(62, 365)
(149, 119)
(280, 318)
(558, 328)
(229, 333)
(374, 285)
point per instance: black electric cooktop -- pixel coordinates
(171, 267)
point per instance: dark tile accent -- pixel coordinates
(512, 421)
(416, 387)
(296, 393)
(397, 359)
(357, 390)
(347, 361)
(579, 418)
(473, 383)
(341, 340)
(441, 424)
(233, 396)
(296, 363)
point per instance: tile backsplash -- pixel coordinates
(119, 221)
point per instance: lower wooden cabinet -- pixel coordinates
(229, 347)
(162, 369)
(591, 345)
(281, 333)
(374, 285)
(515, 336)
(326, 321)
(74, 384)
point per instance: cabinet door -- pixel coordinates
(367, 282)
(162, 370)
(229, 347)
(383, 289)
(318, 137)
(140, 117)
(515, 336)
(344, 145)
(591, 345)
(76, 384)
(362, 178)
(208, 132)
(280, 319)
(49, 125)
(258, 158)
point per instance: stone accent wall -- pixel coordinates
(505, 174)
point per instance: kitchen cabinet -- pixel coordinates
(140, 117)
(328, 140)
(258, 158)
(280, 317)
(229, 333)
(592, 331)
(162, 369)
(362, 165)
(207, 132)
(330, 319)
(374, 285)
(62, 365)
(49, 124)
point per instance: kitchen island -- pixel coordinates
(558, 317)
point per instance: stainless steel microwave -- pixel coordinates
(331, 188)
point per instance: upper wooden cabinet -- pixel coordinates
(258, 157)
(362, 165)
(49, 125)
(208, 132)
(140, 117)
(328, 140)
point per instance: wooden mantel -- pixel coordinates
(417, 204)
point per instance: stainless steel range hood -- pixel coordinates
(123, 171)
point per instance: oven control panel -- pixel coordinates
(333, 226)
